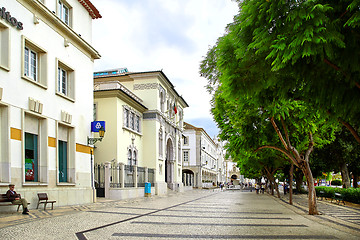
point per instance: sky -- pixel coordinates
(168, 35)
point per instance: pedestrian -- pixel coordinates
(221, 186)
(257, 186)
(262, 188)
(16, 199)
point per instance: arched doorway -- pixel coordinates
(188, 177)
(169, 164)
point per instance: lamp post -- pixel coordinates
(92, 141)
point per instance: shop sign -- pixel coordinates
(13, 21)
(96, 125)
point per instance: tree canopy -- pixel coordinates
(287, 63)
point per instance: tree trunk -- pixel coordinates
(291, 183)
(305, 167)
(345, 175)
(299, 180)
(275, 185)
(355, 180)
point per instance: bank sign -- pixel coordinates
(13, 21)
(96, 125)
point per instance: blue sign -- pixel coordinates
(96, 125)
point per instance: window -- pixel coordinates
(34, 63)
(64, 12)
(132, 120)
(65, 81)
(126, 118)
(186, 140)
(179, 151)
(94, 111)
(62, 146)
(129, 158)
(35, 149)
(160, 142)
(137, 123)
(186, 156)
(5, 166)
(30, 64)
(62, 81)
(5, 47)
(31, 158)
(134, 161)
(65, 153)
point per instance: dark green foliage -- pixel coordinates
(349, 194)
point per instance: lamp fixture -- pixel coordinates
(92, 141)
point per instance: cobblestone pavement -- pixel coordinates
(200, 214)
(348, 214)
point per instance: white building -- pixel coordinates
(201, 158)
(46, 100)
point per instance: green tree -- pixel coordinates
(284, 52)
(342, 155)
(250, 126)
(311, 45)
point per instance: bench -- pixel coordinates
(4, 201)
(322, 195)
(338, 198)
(43, 199)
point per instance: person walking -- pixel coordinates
(16, 199)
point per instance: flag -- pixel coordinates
(175, 110)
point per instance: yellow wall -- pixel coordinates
(117, 139)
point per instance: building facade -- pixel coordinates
(46, 98)
(144, 118)
(201, 158)
(233, 176)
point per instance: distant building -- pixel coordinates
(232, 172)
(201, 158)
(46, 98)
(144, 127)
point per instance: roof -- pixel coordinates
(94, 13)
(125, 72)
(189, 126)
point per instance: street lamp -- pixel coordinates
(92, 141)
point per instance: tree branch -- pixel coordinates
(351, 129)
(286, 133)
(310, 148)
(279, 133)
(280, 150)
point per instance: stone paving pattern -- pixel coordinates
(200, 214)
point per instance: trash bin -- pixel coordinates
(147, 189)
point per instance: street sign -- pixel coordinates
(96, 125)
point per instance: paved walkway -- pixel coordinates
(200, 214)
(347, 215)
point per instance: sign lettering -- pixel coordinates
(13, 21)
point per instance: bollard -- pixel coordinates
(147, 189)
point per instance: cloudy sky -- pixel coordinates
(172, 35)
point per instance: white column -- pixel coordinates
(122, 175)
(107, 179)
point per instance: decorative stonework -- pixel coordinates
(66, 117)
(35, 106)
(146, 86)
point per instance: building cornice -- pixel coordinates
(108, 93)
(40, 11)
